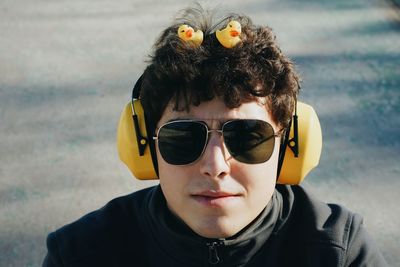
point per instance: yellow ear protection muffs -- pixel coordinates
(135, 147)
(301, 146)
(299, 154)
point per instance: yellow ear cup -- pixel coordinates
(310, 145)
(141, 166)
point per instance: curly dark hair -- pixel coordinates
(184, 75)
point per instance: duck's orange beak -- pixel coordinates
(234, 33)
(189, 33)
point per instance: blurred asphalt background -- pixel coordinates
(67, 69)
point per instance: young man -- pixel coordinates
(217, 103)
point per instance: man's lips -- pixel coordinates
(214, 194)
(214, 198)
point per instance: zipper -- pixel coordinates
(213, 257)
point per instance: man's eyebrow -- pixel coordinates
(220, 121)
(179, 119)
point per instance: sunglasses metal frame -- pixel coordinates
(221, 131)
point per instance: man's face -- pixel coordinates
(217, 196)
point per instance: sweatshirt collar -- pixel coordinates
(179, 242)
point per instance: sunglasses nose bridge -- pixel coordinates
(220, 131)
(214, 130)
(209, 131)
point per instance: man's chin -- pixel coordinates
(216, 228)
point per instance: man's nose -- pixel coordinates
(215, 160)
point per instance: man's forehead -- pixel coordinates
(216, 112)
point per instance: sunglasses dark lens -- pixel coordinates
(181, 143)
(249, 141)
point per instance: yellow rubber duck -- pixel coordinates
(186, 33)
(229, 37)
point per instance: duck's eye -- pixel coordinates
(182, 30)
(230, 25)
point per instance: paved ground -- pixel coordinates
(67, 67)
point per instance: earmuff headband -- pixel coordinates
(141, 140)
(292, 143)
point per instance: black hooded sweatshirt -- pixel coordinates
(294, 229)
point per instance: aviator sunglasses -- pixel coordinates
(183, 142)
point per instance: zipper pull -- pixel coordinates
(213, 257)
